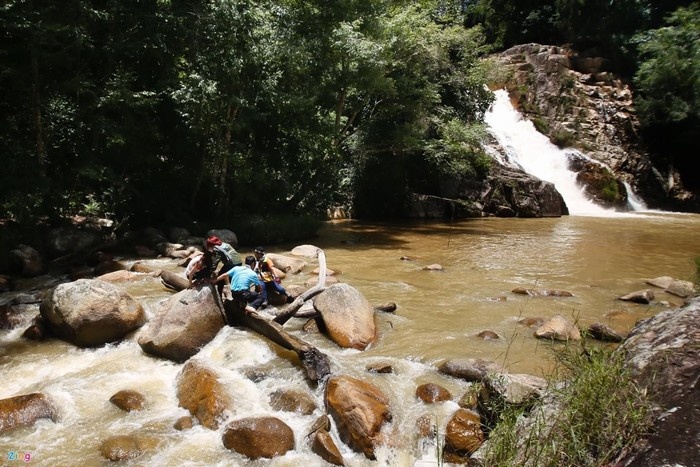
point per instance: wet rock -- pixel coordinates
(128, 400)
(104, 268)
(383, 368)
(291, 400)
(255, 438)
(126, 447)
(347, 315)
(463, 435)
(25, 410)
(542, 292)
(200, 392)
(488, 335)
(469, 369)
(329, 272)
(324, 446)
(182, 325)
(121, 275)
(640, 296)
(603, 332)
(386, 307)
(91, 312)
(360, 410)
(662, 282)
(558, 328)
(433, 267)
(430, 393)
(183, 423)
(534, 322)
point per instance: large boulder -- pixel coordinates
(184, 323)
(287, 264)
(348, 316)
(27, 261)
(25, 410)
(66, 240)
(360, 410)
(662, 354)
(200, 392)
(91, 312)
(262, 437)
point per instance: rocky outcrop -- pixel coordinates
(506, 192)
(91, 313)
(578, 103)
(663, 355)
(184, 324)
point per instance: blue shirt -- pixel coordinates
(242, 278)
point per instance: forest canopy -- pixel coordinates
(164, 110)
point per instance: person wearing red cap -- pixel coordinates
(224, 254)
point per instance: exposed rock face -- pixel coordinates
(255, 438)
(90, 312)
(663, 353)
(506, 192)
(200, 392)
(25, 410)
(577, 102)
(348, 316)
(360, 410)
(185, 323)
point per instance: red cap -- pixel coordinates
(213, 240)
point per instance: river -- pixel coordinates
(595, 254)
(439, 315)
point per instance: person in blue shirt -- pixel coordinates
(246, 289)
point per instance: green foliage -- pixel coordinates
(668, 79)
(601, 412)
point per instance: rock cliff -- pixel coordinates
(578, 103)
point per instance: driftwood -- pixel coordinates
(315, 363)
(290, 310)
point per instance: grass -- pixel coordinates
(595, 414)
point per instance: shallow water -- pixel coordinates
(439, 315)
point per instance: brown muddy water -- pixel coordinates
(438, 317)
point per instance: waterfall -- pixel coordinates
(531, 151)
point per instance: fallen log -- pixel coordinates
(316, 364)
(290, 310)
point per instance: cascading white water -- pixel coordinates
(532, 152)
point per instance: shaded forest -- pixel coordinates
(164, 111)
